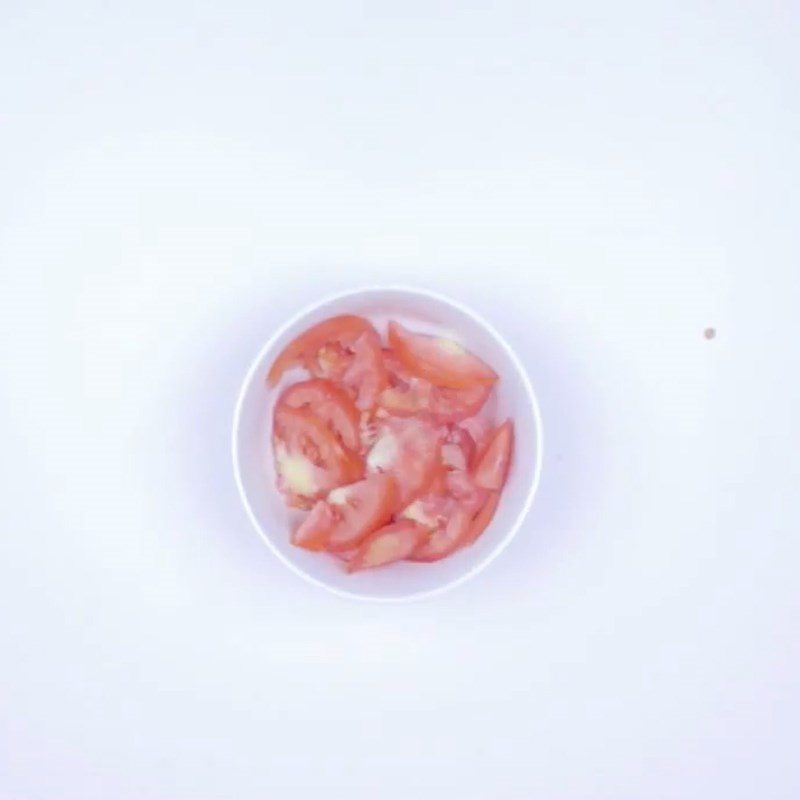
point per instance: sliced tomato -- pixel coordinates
(458, 449)
(405, 394)
(453, 457)
(326, 339)
(408, 449)
(480, 430)
(445, 539)
(309, 459)
(394, 542)
(313, 531)
(461, 485)
(331, 404)
(365, 374)
(441, 361)
(330, 361)
(483, 518)
(453, 405)
(491, 469)
(359, 509)
(438, 484)
(408, 394)
(431, 510)
(348, 514)
(382, 433)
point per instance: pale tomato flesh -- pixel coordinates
(458, 450)
(408, 449)
(431, 510)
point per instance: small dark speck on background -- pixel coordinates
(710, 333)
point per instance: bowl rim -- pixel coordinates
(513, 529)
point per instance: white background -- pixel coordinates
(603, 181)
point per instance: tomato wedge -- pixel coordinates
(331, 404)
(492, 466)
(462, 486)
(313, 531)
(309, 459)
(453, 405)
(408, 394)
(441, 361)
(431, 510)
(330, 336)
(409, 450)
(348, 514)
(365, 375)
(458, 450)
(480, 430)
(445, 539)
(394, 542)
(482, 518)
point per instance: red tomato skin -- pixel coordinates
(492, 467)
(330, 403)
(424, 356)
(399, 539)
(345, 328)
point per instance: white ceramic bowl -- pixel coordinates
(514, 397)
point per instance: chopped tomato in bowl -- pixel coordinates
(386, 415)
(404, 453)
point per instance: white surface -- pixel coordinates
(512, 398)
(602, 180)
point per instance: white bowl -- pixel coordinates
(513, 397)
